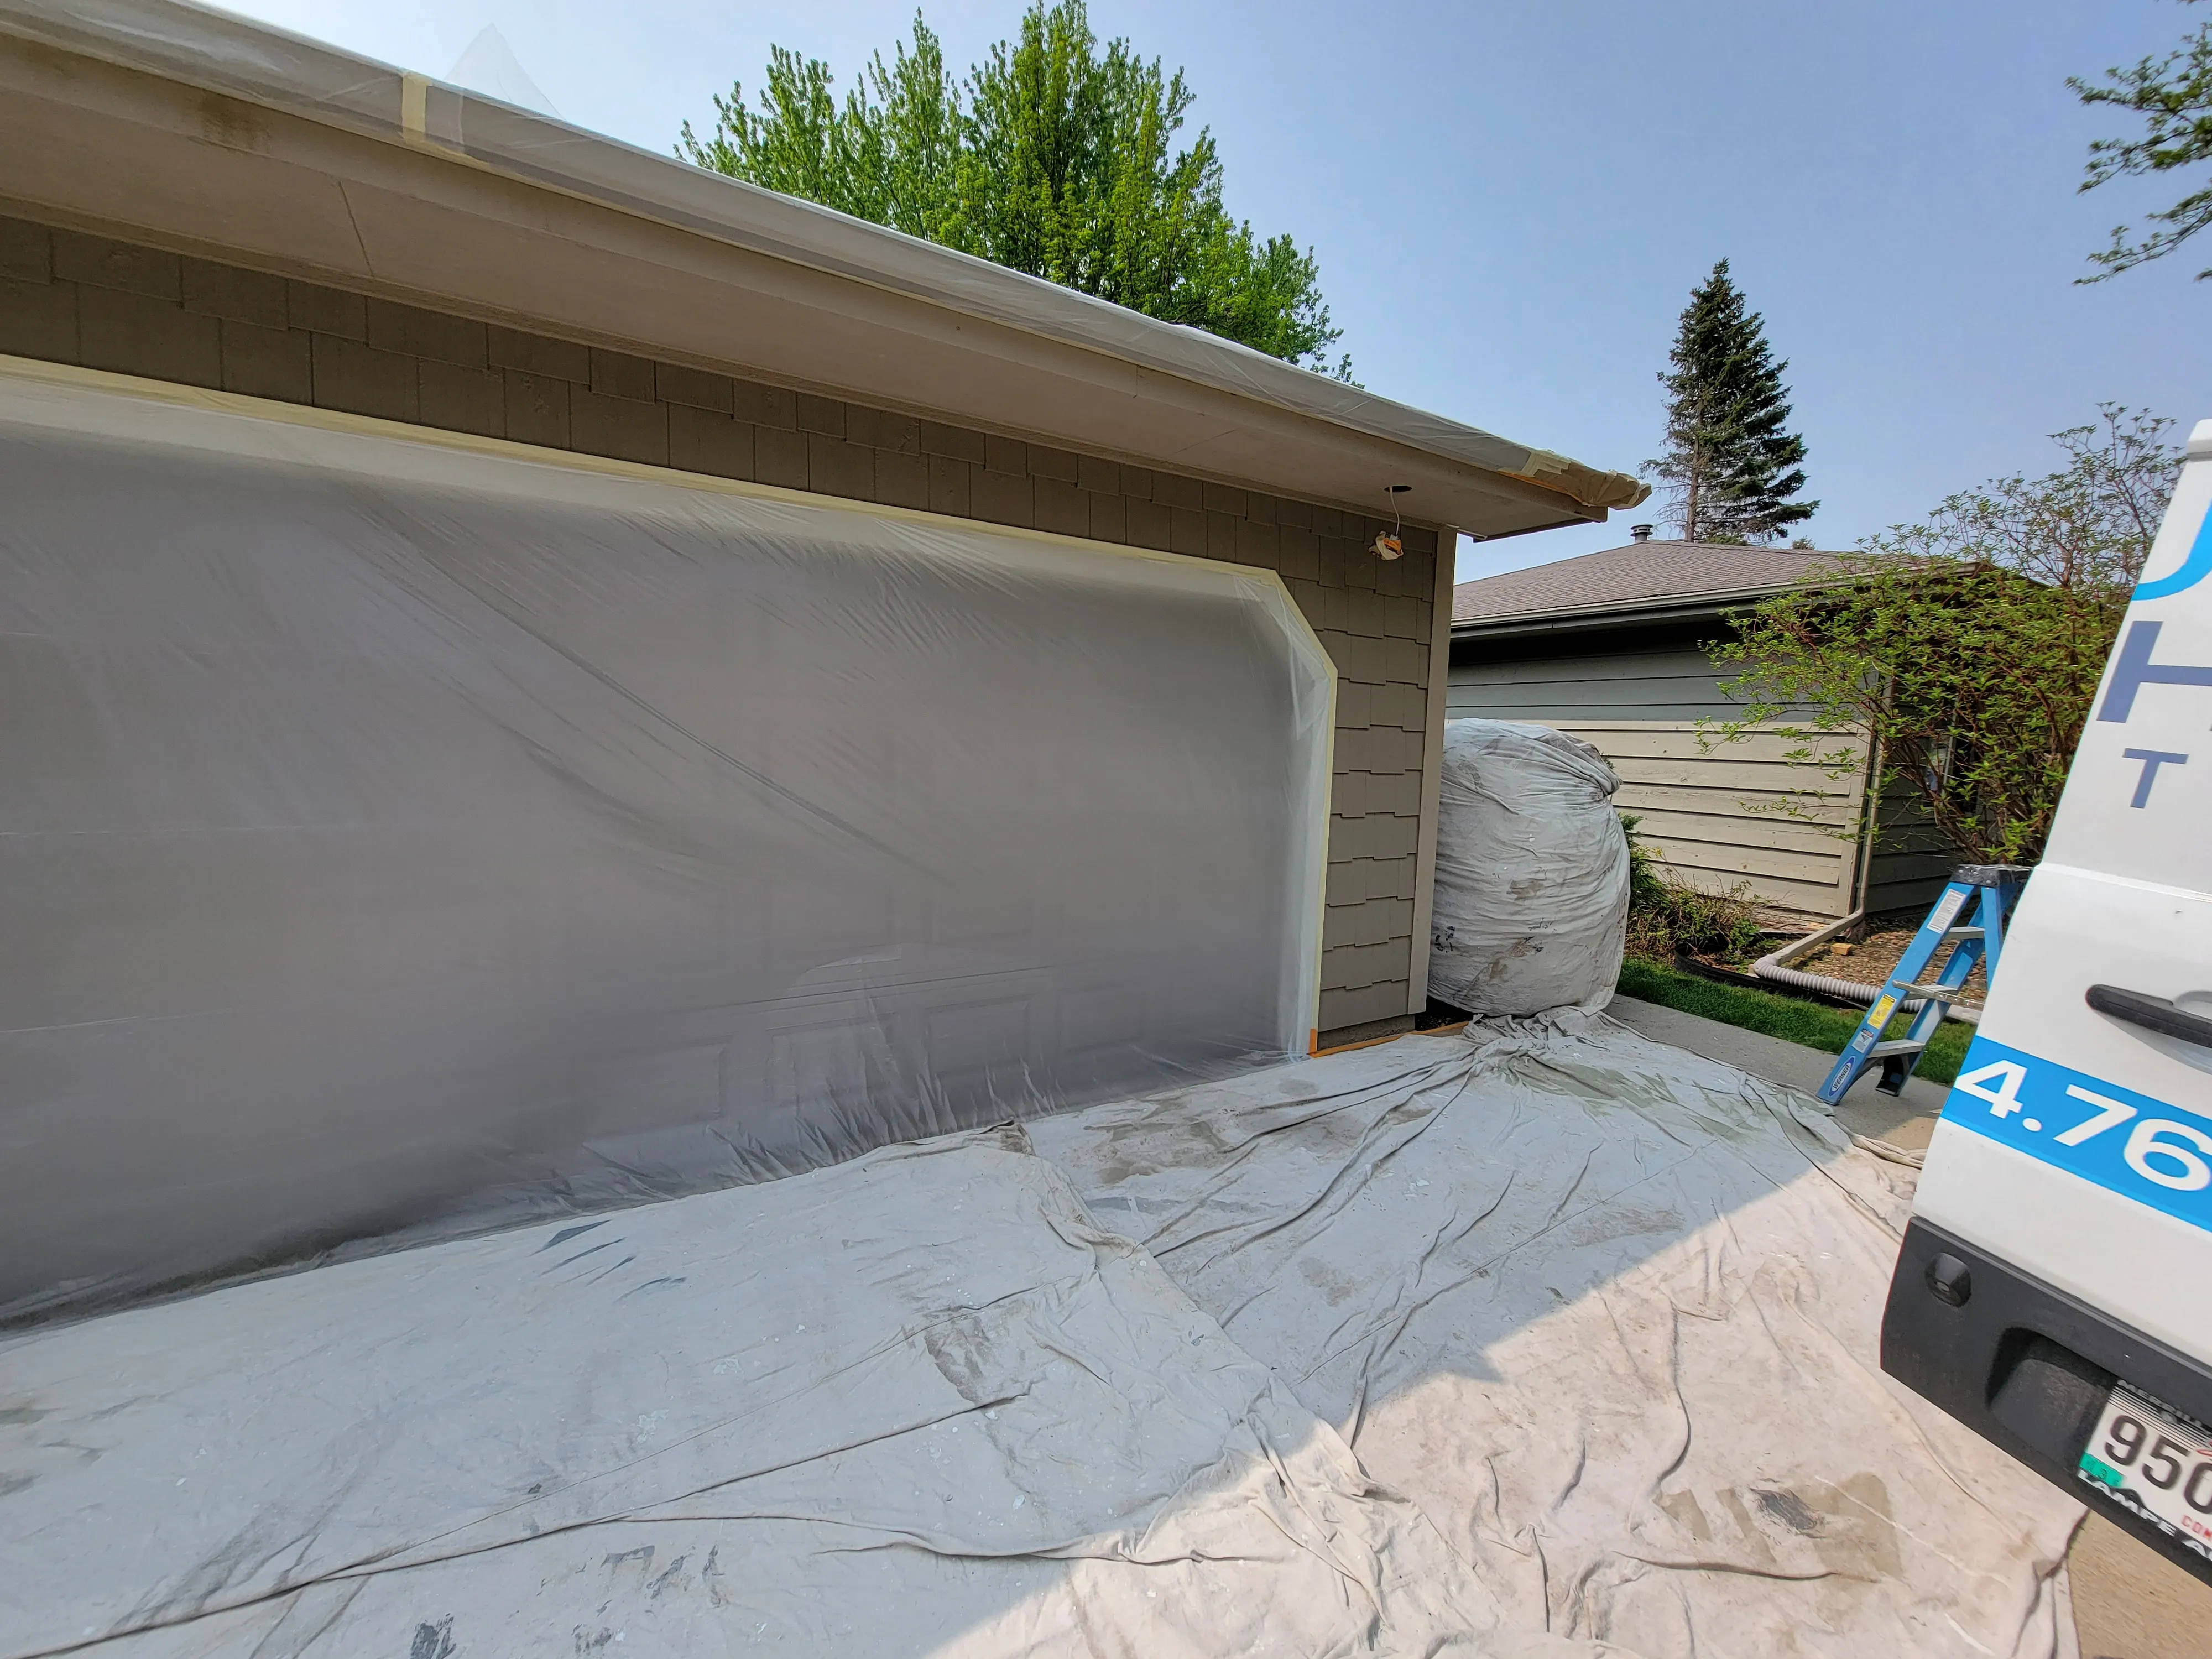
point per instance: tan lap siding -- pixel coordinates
(1701, 808)
(1911, 862)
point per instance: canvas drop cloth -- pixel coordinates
(1532, 871)
(1548, 1340)
(1608, 1313)
(400, 837)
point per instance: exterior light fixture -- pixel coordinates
(1387, 544)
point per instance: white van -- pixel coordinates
(2055, 1288)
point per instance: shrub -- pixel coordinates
(1968, 646)
(1667, 919)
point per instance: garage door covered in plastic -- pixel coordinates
(399, 838)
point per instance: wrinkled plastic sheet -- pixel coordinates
(400, 837)
(1553, 1340)
(919, 1403)
(1609, 1313)
(1531, 908)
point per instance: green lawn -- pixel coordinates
(1814, 1024)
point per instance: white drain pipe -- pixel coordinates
(1774, 966)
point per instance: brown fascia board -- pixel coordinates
(410, 216)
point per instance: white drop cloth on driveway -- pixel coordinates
(1545, 1340)
(1609, 1314)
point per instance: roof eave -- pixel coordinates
(1462, 476)
(1642, 612)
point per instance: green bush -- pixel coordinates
(1666, 919)
(1967, 647)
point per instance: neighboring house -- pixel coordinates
(196, 199)
(1612, 646)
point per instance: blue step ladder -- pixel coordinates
(1992, 890)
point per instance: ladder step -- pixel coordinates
(1990, 891)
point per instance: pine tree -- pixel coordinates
(1731, 464)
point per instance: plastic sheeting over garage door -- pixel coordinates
(401, 836)
(1545, 1339)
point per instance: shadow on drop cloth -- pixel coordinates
(1608, 1312)
(1592, 1320)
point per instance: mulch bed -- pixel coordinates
(1873, 961)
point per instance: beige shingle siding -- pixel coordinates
(68, 297)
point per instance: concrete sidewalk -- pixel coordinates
(1905, 1120)
(2130, 1602)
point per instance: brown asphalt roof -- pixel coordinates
(1631, 577)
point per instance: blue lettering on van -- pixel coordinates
(2152, 759)
(2134, 670)
(2126, 1142)
(2194, 568)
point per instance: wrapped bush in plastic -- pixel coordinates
(1532, 871)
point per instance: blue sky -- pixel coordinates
(1510, 203)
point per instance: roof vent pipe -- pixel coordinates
(1641, 532)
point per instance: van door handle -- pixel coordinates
(2152, 1013)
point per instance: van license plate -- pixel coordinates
(2146, 1459)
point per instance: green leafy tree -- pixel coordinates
(1732, 467)
(2174, 94)
(1052, 156)
(1968, 646)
